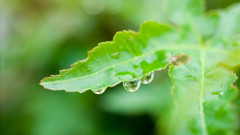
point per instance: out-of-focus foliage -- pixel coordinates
(39, 37)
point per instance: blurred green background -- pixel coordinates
(40, 37)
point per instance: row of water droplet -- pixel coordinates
(133, 85)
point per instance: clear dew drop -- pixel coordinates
(100, 91)
(147, 78)
(132, 86)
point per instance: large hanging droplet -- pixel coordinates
(147, 78)
(132, 86)
(100, 91)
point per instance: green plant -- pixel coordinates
(199, 48)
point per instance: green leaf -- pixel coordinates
(202, 98)
(202, 89)
(129, 56)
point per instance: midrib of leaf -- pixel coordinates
(203, 123)
(202, 60)
(173, 47)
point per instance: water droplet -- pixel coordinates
(147, 78)
(132, 86)
(100, 91)
(80, 91)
